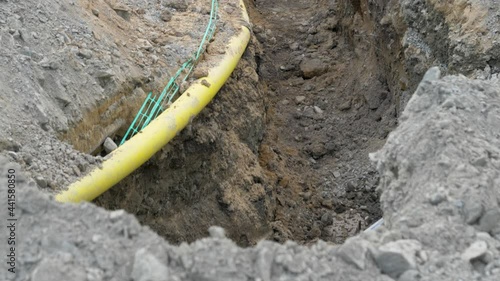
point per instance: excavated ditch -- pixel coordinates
(282, 151)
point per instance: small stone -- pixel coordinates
(490, 221)
(306, 195)
(480, 162)
(48, 64)
(473, 211)
(286, 67)
(475, 250)
(166, 15)
(285, 102)
(139, 92)
(200, 72)
(318, 110)
(123, 12)
(432, 74)
(18, 35)
(109, 145)
(217, 232)
(317, 150)
(350, 186)
(105, 73)
(205, 83)
(84, 53)
(147, 267)
(90, 159)
(95, 12)
(353, 251)
(437, 198)
(144, 44)
(294, 46)
(327, 218)
(488, 257)
(396, 257)
(313, 67)
(327, 203)
(422, 256)
(345, 106)
(28, 159)
(336, 174)
(299, 99)
(116, 215)
(76, 171)
(13, 155)
(41, 182)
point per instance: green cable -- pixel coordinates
(152, 106)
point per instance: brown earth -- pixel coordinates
(329, 105)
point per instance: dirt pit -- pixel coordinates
(282, 151)
(280, 154)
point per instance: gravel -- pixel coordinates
(84, 242)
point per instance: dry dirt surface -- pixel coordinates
(327, 108)
(75, 72)
(282, 152)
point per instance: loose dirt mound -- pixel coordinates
(439, 196)
(78, 71)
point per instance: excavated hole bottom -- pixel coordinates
(298, 171)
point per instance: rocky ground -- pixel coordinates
(440, 198)
(286, 151)
(114, 50)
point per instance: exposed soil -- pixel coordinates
(282, 152)
(329, 105)
(76, 72)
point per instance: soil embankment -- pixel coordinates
(282, 153)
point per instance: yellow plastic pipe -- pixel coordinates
(136, 151)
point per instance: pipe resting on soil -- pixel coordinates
(136, 151)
